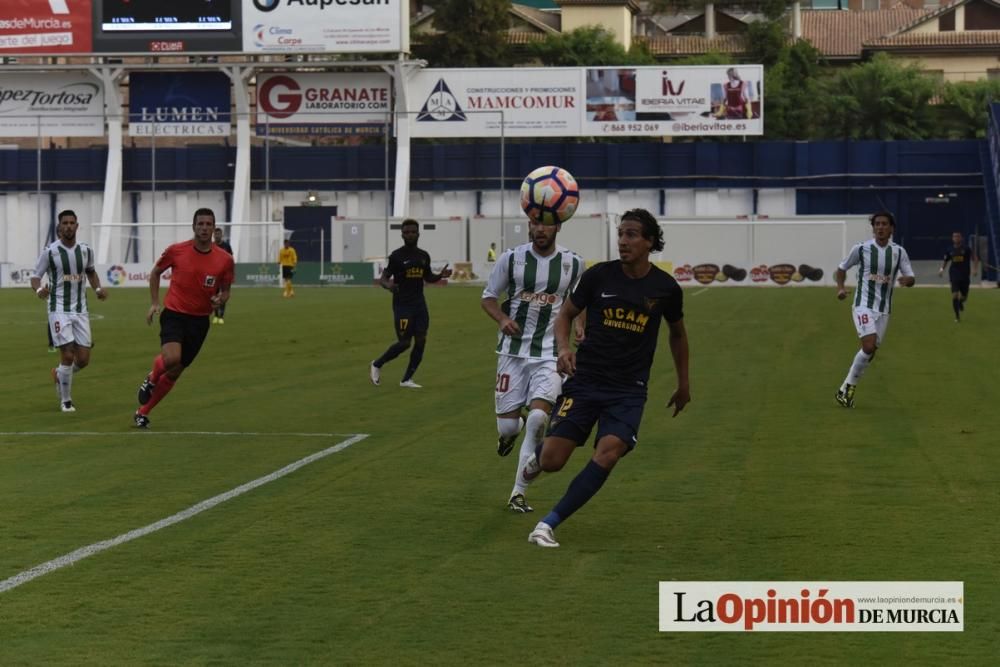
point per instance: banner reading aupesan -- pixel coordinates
(45, 26)
(337, 26)
(593, 101)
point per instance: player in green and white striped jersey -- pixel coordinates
(881, 264)
(68, 264)
(533, 280)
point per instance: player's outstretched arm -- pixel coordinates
(840, 276)
(679, 351)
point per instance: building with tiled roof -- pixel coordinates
(840, 36)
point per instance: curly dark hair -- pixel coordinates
(651, 229)
(883, 214)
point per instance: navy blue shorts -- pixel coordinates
(583, 403)
(960, 286)
(188, 330)
(410, 320)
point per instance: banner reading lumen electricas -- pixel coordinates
(63, 104)
(336, 26)
(179, 104)
(594, 101)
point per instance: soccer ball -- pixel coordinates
(549, 195)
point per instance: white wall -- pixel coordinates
(24, 224)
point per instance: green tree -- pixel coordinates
(791, 87)
(962, 110)
(880, 99)
(468, 34)
(588, 46)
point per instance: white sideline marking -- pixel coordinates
(97, 547)
(145, 433)
(703, 289)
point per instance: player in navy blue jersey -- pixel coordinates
(404, 275)
(624, 301)
(961, 257)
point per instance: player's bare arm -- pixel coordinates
(95, 284)
(221, 297)
(504, 323)
(679, 350)
(434, 277)
(907, 281)
(41, 290)
(840, 275)
(154, 294)
(566, 362)
(385, 280)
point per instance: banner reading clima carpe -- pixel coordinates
(45, 26)
(597, 101)
(179, 104)
(335, 26)
(67, 104)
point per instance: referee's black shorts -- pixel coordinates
(287, 272)
(188, 330)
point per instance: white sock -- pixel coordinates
(65, 376)
(509, 426)
(858, 368)
(533, 432)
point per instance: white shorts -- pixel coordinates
(70, 328)
(869, 322)
(521, 380)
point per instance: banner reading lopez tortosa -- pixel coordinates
(63, 104)
(597, 101)
(336, 26)
(45, 26)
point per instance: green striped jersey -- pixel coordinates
(531, 290)
(67, 271)
(878, 268)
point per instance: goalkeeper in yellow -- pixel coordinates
(287, 258)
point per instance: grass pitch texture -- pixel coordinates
(398, 549)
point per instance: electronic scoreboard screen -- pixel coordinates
(166, 15)
(143, 26)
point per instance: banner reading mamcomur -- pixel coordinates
(179, 104)
(66, 104)
(595, 101)
(338, 26)
(45, 26)
(323, 103)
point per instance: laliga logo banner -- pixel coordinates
(45, 26)
(336, 26)
(323, 103)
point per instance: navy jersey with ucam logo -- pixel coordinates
(623, 321)
(67, 271)
(878, 267)
(531, 289)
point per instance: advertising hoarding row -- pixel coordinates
(163, 26)
(445, 103)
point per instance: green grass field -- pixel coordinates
(398, 549)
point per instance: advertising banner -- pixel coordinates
(64, 104)
(45, 26)
(529, 102)
(179, 104)
(335, 26)
(323, 103)
(307, 273)
(594, 101)
(130, 275)
(676, 101)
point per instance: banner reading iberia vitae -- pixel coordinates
(63, 104)
(335, 26)
(596, 101)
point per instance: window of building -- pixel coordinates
(870, 5)
(946, 22)
(829, 4)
